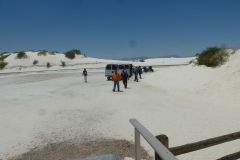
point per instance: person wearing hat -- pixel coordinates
(116, 77)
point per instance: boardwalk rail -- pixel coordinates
(158, 147)
(160, 144)
(204, 144)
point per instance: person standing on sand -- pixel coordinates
(84, 73)
(136, 74)
(140, 72)
(124, 78)
(116, 78)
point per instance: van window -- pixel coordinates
(114, 67)
(108, 67)
(121, 66)
(126, 66)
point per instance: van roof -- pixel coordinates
(120, 64)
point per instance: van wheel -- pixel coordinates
(108, 78)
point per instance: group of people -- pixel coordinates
(117, 77)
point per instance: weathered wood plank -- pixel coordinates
(233, 156)
(204, 144)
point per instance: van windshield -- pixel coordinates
(108, 67)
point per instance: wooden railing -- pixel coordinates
(158, 147)
(174, 151)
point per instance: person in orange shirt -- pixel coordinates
(116, 78)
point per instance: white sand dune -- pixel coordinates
(79, 62)
(188, 103)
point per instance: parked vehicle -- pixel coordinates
(119, 67)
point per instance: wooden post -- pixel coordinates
(164, 140)
(137, 145)
(158, 147)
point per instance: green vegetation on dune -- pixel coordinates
(3, 65)
(72, 53)
(42, 53)
(63, 64)
(21, 55)
(3, 57)
(212, 57)
(35, 62)
(48, 65)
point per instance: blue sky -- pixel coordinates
(119, 28)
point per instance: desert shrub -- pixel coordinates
(72, 53)
(42, 53)
(35, 62)
(77, 51)
(52, 53)
(21, 55)
(191, 62)
(3, 56)
(212, 57)
(2, 64)
(63, 64)
(48, 65)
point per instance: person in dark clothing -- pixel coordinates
(150, 68)
(145, 69)
(136, 74)
(124, 76)
(85, 75)
(140, 72)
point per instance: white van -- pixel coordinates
(119, 67)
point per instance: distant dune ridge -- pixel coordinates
(38, 61)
